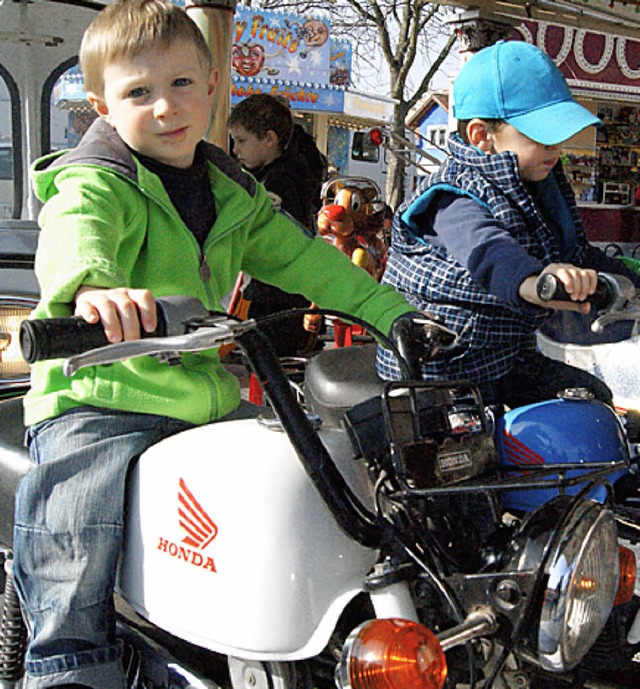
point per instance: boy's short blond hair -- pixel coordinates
(129, 27)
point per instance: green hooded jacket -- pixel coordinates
(108, 222)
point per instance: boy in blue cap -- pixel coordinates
(471, 244)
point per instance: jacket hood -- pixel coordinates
(103, 147)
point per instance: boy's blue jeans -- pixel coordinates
(67, 540)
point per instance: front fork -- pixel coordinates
(393, 599)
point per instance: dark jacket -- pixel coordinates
(289, 178)
(304, 145)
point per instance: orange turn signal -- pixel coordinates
(627, 578)
(392, 654)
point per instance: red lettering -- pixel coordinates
(186, 554)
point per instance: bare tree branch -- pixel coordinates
(404, 33)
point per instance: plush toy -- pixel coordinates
(353, 218)
(358, 223)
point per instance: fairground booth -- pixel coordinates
(596, 45)
(296, 57)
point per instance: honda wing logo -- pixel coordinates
(198, 531)
(198, 526)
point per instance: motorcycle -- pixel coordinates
(358, 542)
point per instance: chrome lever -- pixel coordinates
(203, 338)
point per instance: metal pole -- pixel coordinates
(215, 20)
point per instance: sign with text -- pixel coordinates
(301, 96)
(280, 46)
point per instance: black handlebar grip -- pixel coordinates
(50, 338)
(549, 288)
(409, 346)
(55, 338)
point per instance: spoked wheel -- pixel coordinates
(256, 674)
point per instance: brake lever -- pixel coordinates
(213, 332)
(628, 313)
(624, 306)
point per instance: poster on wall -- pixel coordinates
(280, 46)
(340, 63)
(291, 56)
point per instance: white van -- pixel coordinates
(366, 159)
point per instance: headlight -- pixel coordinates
(582, 578)
(14, 370)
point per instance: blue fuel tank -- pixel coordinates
(559, 431)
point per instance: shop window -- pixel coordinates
(618, 157)
(363, 148)
(6, 161)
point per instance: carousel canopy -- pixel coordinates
(616, 17)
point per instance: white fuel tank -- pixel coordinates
(229, 546)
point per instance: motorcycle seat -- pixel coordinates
(338, 379)
(14, 463)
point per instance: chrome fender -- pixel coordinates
(229, 546)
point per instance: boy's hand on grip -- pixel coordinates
(122, 311)
(579, 284)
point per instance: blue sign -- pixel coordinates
(316, 97)
(280, 46)
(291, 56)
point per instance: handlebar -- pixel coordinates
(615, 298)
(186, 326)
(550, 288)
(189, 327)
(63, 337)
(55, 338)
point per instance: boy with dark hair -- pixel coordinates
(470, 245)
(143, 208)
(261, 127)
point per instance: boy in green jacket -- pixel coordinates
(141, 209)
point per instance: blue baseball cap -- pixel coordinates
(517, 82)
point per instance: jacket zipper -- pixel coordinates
(204, 268)
(205, 275)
